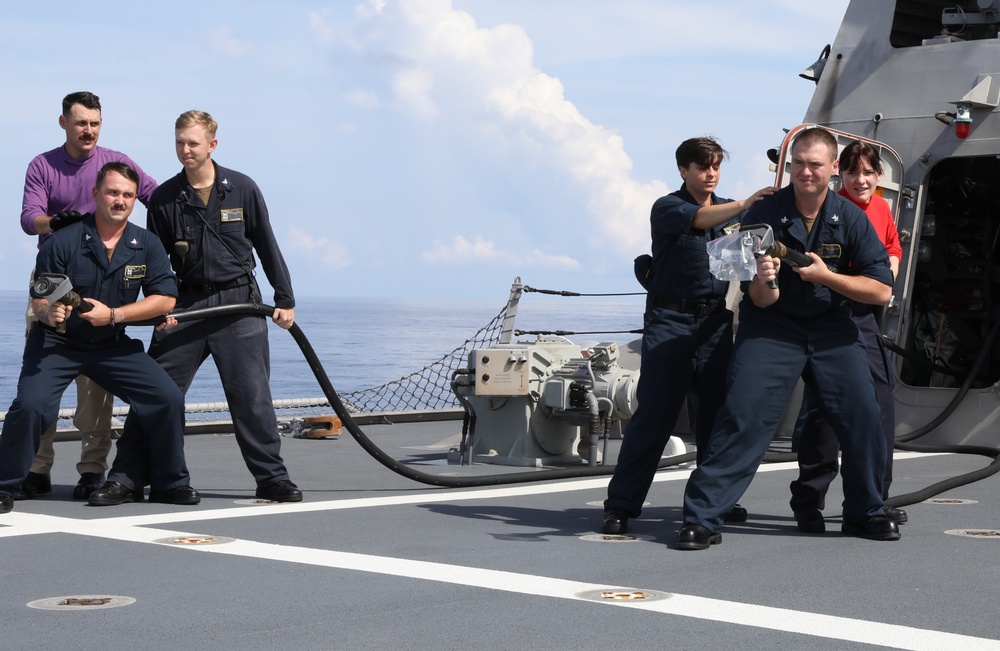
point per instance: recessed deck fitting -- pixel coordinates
(983, 534)
(195, 540)
(613, 595)
(613, 538)
(81, 602)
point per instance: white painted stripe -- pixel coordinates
(713, 610)
(430, 496)
(132, 529)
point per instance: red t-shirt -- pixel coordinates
(880, 215)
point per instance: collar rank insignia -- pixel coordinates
(134, 242)
(784, 220)
(835, 218)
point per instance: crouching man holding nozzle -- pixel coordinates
(109, 261)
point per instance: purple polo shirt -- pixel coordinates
(55, 182)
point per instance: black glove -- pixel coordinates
(64, 218)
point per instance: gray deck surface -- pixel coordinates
(371, 560)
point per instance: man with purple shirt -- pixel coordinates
(58, 187)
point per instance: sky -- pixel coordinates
(424, 148)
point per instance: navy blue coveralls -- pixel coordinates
(807, 333)
(218, 270)
(816, 442)
(687, 338)
(105, 354)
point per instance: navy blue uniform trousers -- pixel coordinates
(816, 441)
(828, 353)
(239, 347)
(121, 367)
(682, 356)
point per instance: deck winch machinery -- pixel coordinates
(547, 401)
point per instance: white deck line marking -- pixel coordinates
(713, 610)
(777, 619)
(131, 529)
(430, 496)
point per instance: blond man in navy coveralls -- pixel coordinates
(802, 328)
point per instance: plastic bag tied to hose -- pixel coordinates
(733, 256)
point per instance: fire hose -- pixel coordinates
(591, 471)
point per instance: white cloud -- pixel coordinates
(370, 8)
(222, 42)
(596, 30)
(362, 98)
(329, 253)
(321, 29)
(413, 90)
(593, 155)
(542, 126)
(479, 86)
(480, 251)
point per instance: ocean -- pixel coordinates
(366, 342)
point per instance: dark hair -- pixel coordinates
(816, 136)
(122, 168)
(858, 152)
(703, 151)
(83, 98)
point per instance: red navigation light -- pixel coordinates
(963, 121)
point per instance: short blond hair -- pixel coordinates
(199, 118)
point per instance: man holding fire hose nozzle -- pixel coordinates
(112, 260)
(801, 326)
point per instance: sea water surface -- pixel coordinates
(366, 342)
